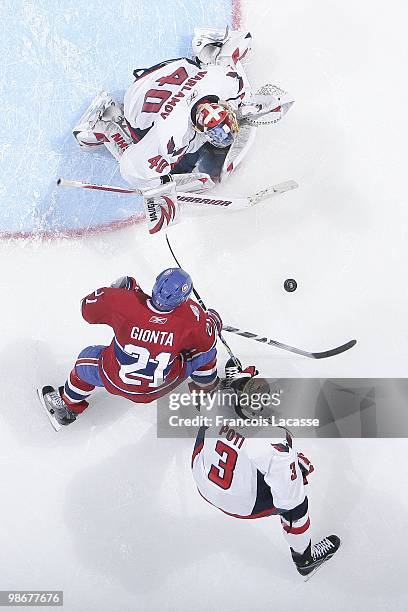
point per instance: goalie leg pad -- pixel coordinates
(212, 46)
(103, 123)
(116, 137)
(84, 131)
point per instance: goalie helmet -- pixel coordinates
(218, 122)
(172, 287)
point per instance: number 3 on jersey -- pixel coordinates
(223, 474)
(143, 366)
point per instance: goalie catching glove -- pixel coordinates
(268, 105)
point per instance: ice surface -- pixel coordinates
(56, 56)
(104, 510)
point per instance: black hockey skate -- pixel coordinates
(314, 556)
(232, 370)
(57, 411)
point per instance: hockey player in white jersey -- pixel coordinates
(253, 477)
(184, 123)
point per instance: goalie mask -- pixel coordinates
(218, 123)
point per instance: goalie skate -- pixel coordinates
(57, 411)
(85, 132)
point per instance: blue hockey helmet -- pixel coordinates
(172, 287)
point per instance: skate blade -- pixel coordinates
(55, 425)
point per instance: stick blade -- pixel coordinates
(336, 351)
(273, 190)
(285, 186)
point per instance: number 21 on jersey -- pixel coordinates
(143, 366)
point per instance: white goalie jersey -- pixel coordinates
(157, 108)
(247, 477)
(153, 129)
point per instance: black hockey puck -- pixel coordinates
(290, 285)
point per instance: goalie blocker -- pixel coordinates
(161, 207)
(161, 204)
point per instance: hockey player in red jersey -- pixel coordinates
(250, 477)
(159, 341)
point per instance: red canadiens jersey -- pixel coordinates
(149, 353)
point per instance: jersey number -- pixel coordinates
(155, 98)
(144, 367)
(223, 473)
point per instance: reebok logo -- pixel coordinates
(159, 320)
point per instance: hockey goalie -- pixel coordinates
(184, 124)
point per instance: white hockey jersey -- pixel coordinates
(247, 477)
(157, 108)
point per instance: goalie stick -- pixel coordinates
(287, 347)
(200, 301)
(199, 198)
(252, 336)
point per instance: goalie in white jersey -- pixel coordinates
(252, 477)
(184, 123)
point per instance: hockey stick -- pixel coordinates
(197, 198)
(246, 334)
(67, 183)
(200, 301)
(292, 349)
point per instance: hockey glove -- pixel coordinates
(305, 467)
(215, 318)
(125, 282)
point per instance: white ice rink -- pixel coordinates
(107, 512)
